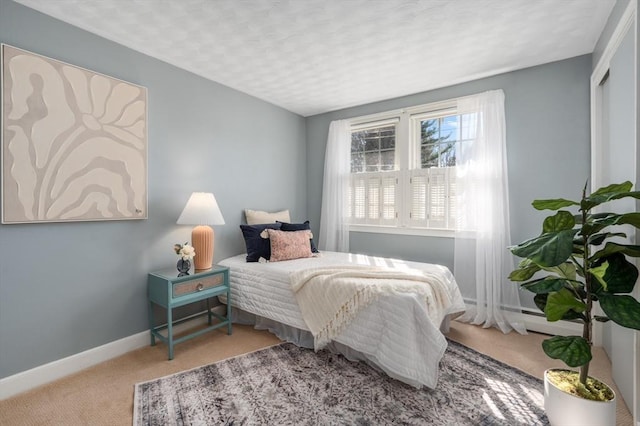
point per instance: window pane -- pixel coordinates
(468, 126)
(357, 162)
(357, 141)
(447, 155)
(387, 160)
(373, 150)
(449, 128)
(429, 155)
(372, 161)
(372, 144)
(440, 140)
(429, 130)
(388, 142)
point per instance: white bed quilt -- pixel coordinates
(394, 332)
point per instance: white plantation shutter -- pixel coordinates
(358, 189)
(436, 193)
(350, 200)
(432, 198)
(374, 200)
(388, 200)
(418, 183)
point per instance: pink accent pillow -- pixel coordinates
(287, 245)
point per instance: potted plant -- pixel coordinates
(576, 262)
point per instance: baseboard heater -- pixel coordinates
(535, 321)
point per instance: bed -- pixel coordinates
(395, 333)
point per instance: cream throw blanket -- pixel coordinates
(330, 297)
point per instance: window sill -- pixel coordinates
(422, 232)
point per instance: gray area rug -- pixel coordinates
(288, 385)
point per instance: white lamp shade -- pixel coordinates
(201, 209)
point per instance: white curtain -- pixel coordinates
(334, 229)
(482, 262)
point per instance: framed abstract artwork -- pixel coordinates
(74, 143)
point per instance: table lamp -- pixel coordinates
(202, 210)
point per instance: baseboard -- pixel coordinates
(27, 380)
(41, 375)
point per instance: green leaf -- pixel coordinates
(632, 218)
(600, 318)
(620, 276)
(578, 252)
(558, 222)
(616, 188)
(623, 310)
(612, 248)
(540, 300)
(609, 193)
(554, 204)
(544, 286)
(598, 239)
(598, 273)
(566, 270)
(560, 302)
(573, 350)
(549, 249)
(524, 273)
(610, 219)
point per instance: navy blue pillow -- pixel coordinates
(257, 246)
(298, 227)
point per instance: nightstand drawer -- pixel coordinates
(198, 285)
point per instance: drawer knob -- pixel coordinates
(200, 287)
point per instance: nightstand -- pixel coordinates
(167, 289)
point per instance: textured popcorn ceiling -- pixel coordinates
(314, 56)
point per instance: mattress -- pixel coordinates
(394, 332)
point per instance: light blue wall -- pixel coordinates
(548, 143)
(66, 288)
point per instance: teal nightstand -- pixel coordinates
(167, 289)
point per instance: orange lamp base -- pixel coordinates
(202, 241)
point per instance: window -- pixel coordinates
(403, 167)
(373, 195)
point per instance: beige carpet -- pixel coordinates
(103, 394)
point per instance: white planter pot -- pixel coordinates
(564, 409)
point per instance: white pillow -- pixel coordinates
(255, 217)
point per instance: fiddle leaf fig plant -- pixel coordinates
(578, 260)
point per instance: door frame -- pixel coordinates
(627, 22)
